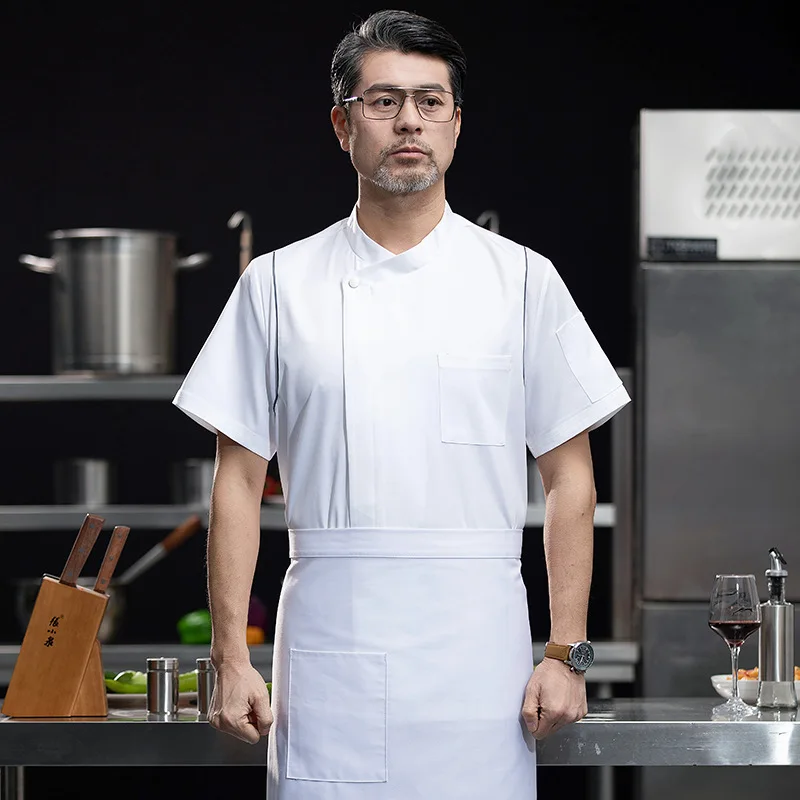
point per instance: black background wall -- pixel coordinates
(174, 118)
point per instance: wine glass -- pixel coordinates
(734, 613)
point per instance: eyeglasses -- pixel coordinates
(434, 105)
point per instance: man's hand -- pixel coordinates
(240, 703)
(554, 697)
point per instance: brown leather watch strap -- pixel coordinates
(559, 651)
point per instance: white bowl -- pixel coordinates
(748, 688)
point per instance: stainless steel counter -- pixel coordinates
(128, 738)
(638, 732)
(673, 732)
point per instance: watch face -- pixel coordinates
(582, 656)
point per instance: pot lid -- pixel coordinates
(103, 233)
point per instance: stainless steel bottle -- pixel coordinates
(776, 641)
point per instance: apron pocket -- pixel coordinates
(337, 716)
(473, 399)
(586, 358)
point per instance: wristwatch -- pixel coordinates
(578, 656)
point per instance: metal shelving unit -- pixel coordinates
(52, 388)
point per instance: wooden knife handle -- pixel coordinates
(84, 542)
(111, 558)
(186, 529)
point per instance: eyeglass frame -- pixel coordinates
(409, 92)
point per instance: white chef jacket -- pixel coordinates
(399, 391)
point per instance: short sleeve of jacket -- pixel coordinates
(231, 387)
(570, 385)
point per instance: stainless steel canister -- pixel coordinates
(205, 686)
(192, 481)
(84, 482)
(162, 687)
(113, 299)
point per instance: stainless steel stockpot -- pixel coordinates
(113, 299)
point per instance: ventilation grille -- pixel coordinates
(751, 183)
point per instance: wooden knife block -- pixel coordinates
(59, 671)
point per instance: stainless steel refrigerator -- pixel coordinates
(717, 412)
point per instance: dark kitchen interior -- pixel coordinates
(172, 118)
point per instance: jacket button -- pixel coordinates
(353, 283)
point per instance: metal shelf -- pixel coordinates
(54, 518)
(117, 657)
(41, 388)
(615, 661)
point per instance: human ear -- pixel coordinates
(341, 127)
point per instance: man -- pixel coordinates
(398, 362)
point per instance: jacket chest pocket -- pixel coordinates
(473, 398)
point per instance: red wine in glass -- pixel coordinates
(734, 613)
(734, 633)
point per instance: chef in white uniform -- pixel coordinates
(399, 362)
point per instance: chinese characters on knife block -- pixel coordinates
(59, 670)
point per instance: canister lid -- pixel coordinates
(162, 664)
(204, 665)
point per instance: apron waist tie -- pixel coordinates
(404, 543)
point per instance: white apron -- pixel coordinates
(399, 392)
(401, 660)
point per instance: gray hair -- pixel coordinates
(402, 32)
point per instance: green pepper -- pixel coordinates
(195, 627)
(187, 682)
(127, 682)
(132, 682)
(131, 676)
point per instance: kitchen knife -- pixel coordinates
(110, 559)
(81, 548)
(187, 528)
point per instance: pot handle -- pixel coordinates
(37, 264)
(195, 260)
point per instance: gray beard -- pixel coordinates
(412, 179)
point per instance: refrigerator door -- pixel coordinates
(718, 424)
(719, 185)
